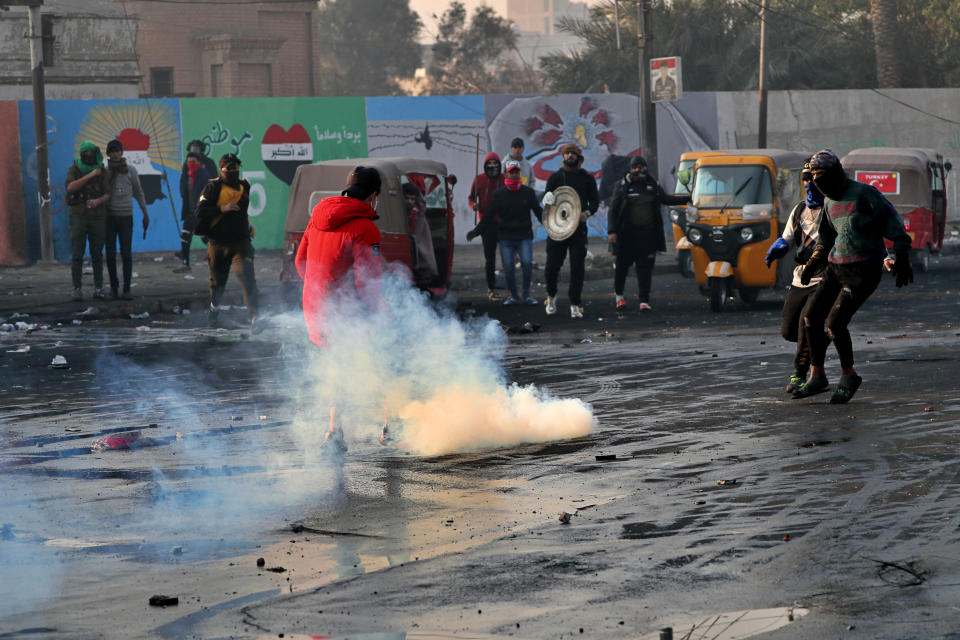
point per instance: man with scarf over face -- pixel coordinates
(222, 218)
(480, 193)
(856, 220)
(635, 228)
(193, 179)
(572, 175)
(124, 189)
(802, 230)
(509, 214)
(88, 191)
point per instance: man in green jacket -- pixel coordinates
(87, 194)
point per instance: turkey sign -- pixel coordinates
(884, 181)
(285, 150)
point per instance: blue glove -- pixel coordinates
(776, 250)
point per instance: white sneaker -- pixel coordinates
(645, 307)
(575, 311)
(551, 305)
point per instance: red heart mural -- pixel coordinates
(283, 150)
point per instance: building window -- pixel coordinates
(161, 82)
(46, 33)
(216, 77)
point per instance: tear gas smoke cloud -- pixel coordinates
(438, 377)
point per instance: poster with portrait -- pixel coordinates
(665, 80)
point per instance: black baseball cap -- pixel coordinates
(362, 183)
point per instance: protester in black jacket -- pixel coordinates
(509, 213)
(635, 229)
(222, 219)
(571, 175)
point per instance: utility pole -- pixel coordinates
(648, 140)
(762, 125)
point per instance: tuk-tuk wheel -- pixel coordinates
(685, 263)
(920, 259)
(718, 293)
(749, 294)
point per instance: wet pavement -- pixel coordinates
(705, 499)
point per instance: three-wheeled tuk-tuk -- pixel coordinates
(678, 216)
(740, 202)
(914, 181)
(402, 240)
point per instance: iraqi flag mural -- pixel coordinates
(149, 130)
(283, 150)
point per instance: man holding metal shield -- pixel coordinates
(570, 175)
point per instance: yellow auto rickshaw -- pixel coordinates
(740, 202)
(684, 187)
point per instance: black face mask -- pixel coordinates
(831, 182)
(572, 161)
(492, 170)
(637, 176)
(232, 178)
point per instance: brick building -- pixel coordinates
(226, 49)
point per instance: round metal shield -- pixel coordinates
(562, 218)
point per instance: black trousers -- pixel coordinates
(556, 254)
(490, 258)
(222, 257)
(795, 306)
(119, 228)
(842, 291)
(633, 255)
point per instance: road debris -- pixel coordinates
(606, 457)
(123, 440)
(726, 482)
(59, 362)
(564, 518)
(139, 316)
(164, 601)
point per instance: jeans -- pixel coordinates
(523, 248)
(119, 228)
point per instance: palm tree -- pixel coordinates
(883, 13)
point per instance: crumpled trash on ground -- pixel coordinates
(123, 440)
(77, 322)
(143, 327)
(59, 362)
(21, 349)
(89, 311)
(526, 327)
(188, 277)
(139, 316)
(158, 259)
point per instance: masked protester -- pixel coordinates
(635, 229)
(856, 220)
(193, 178)
(801, 231)
(222, 219)
(509, 214)
(124, 189)
(572, 175)
(88, 191)
(481, 191)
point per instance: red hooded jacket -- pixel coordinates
(483, 187)
(338, 255)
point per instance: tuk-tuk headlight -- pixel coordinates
(695, 235)
(746, 234)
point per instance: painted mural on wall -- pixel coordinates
(272, 137)
(603, 125)
(446, 129)
(150, 133)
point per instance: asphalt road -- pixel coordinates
(701, 491)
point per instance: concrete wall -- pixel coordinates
(845, 120)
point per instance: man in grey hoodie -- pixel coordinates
(124, 188)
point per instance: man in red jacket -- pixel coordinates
(481, 191)
(339, 255)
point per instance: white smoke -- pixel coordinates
(423, 369)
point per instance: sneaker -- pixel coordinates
(576, 311)
(99, 293)
(530, 300)
(815, 384)
(621, 305)
(511, 301)
(796, 381)
(257, 325)
(77, 294)
(645, 307)
(492, 294)
(550, 304)
(848, 385)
